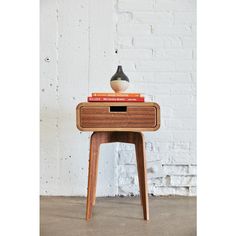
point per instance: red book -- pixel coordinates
(115, 99)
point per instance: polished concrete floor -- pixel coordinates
(169, 216)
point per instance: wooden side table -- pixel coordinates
(117, 122)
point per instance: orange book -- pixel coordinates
(115, 94)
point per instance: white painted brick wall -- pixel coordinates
(134, 5)
(82, 42)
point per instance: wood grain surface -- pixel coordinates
(101, 117)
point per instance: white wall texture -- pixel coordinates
(82, 42)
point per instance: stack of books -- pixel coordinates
(116, 97)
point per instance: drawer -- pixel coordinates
(118, 116)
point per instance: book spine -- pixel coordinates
(115, 94)
(115, 99)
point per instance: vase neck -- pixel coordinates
(119, 69)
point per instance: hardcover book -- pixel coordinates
(115, 94)
(115, 99)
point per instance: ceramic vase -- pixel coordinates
(119, 81)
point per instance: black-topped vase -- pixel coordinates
(119, 81)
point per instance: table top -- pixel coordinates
(128, 104)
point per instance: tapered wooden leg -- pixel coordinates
(96, 139)
(96, 175)
(137, 139)
(142, 174)
(92, 175)
(140, 180)
(89, 190)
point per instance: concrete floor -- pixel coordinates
(64, 216)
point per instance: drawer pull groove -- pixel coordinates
(118, 108)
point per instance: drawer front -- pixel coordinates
(118, 117)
